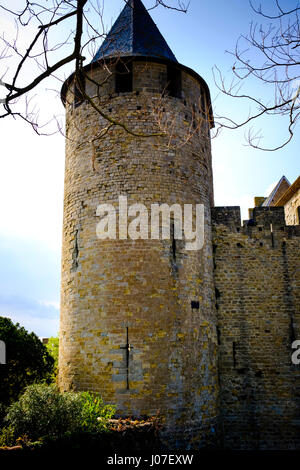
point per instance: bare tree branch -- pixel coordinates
(270, 55)
(49, 57)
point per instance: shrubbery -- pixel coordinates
(43, 411)
(53, 348)
(7, 437)
(34, 413)
(28, 361)
(94, 414)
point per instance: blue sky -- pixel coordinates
(32, 168)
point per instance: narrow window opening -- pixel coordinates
(219, 335)
(194, 117)
(203, 106)
(174, 82)
(195, 304)
(203, 111)
(272, 236)
(78, 95)
(293, 335)
(124, 81)
(234, 346)
(75, 254)
(128, 348)
(173, 241)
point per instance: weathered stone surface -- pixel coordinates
(292, 209)
(210, 331)
(257, 279)
(146, 286)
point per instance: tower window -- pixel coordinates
(174, 82)
(195, 304)
(194, 121)
(78, 96)
(203, 106)
(123, 77)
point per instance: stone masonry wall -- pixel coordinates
(292, 209)
(156, 290)
(257, 280)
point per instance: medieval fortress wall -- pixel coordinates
(257, 280)
(204, 337)
(138, 318)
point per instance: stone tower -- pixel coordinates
(138, 321)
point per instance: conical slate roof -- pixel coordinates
(134, 34)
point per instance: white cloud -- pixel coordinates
(43, 327)
(31, 167)
(29, 313)
(31, 185)
(29, 285)
(50, 303)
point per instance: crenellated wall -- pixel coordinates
(257, 281)
(204, 337)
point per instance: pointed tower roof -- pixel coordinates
(280, 188)
(134, 34)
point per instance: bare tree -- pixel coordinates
(269, 55)
(63, 33)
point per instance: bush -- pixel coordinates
(53, 348)
(94, 413)
(3, 411)
(7, 436)
(28, 361)
(43, 411)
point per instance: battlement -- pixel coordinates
(227, 215)
(262, 219)
(266, 216)
(256, 273)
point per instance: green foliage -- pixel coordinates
(43, 411)
(3, 411)
(94, 413)
(28, 361)
(53, 347)
(7, 437)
